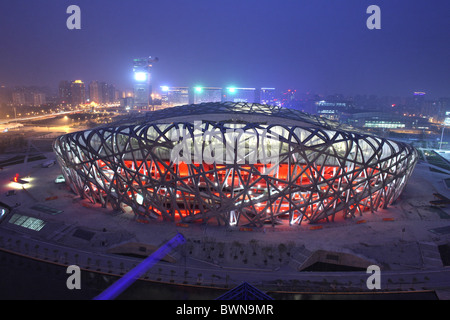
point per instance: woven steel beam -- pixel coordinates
(251, 173)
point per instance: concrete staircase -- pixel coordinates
(430, 255)
(298, 257)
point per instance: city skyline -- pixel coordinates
(323, 47)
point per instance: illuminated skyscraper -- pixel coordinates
(142, 81)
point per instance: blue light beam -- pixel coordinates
(129, 278)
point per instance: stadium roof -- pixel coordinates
(235, 112)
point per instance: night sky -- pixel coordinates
(320, 46)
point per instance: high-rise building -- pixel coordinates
(72, 92)
(65, 96)
(239, 95)
(18, 97)
(5, 95)
(39, 99)
(420, 104)
(28, 96)
(117, 95)
(206, 94)
(78, 93)
(102, 92)
(94, 92)
(104, 89)
(142, 81)
(126, 103)
(111, 93)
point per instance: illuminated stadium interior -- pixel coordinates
(235, 164)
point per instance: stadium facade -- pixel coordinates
(235, 164)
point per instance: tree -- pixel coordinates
(254, 245)
(281, 249)
(159, 274)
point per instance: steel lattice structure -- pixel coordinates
(235, 164)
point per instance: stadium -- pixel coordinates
(235, 164)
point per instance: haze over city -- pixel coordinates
(321, 46)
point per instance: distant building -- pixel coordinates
(289, 99)
(28, 96)
(333, 110)
(102, 92)
(64, 92)
(127, 103)
(232, 94)
(174, 96)
(206, 94)
(5, 95)
(267, 96)
(18, 97)
(94, 92)
(78, 93)
(113, 93)
(383, 120)
(105, 92)
(117, 95)
(72, 92)
(39, 99)
(447, 118)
